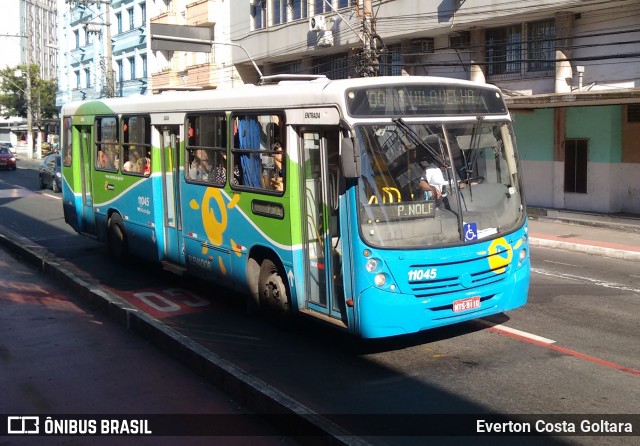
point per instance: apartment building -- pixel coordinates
(103, 48)
(28, 37)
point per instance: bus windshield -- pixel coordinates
(426, 185)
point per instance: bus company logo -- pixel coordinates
(23, 425)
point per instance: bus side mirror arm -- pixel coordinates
(350, 158)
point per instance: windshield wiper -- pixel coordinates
(423, 143)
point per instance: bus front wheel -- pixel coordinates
(117, 242)
(272, 288)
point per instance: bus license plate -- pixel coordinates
(469, 303)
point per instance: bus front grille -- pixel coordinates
(457, 282)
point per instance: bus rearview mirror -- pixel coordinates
(350, 158)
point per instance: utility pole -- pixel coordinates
(110, 88)
(369, 59)
(27, 90)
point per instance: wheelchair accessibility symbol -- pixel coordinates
(470, 232)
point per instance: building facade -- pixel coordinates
(28, 37)
(103, 49)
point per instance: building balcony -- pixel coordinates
(166, 18)
(201, 75)
(204, 12)
(165, 79)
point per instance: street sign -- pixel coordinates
(181, 38)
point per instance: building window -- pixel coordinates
(87, 77)
(131, 17)
(334, 67)
(633, 113)
(120, 71)
(279, 12)
(343, 3)
(143, 14)
(320, 7)
(575, 165)
(460, 40)
(504, 47)
(258, 13)
(78, 79)
(143, 59)
(391, 62)
(507, 48)
(119, 22)
(76, 36)
(132, 67)
(299, 9)
(541, 45)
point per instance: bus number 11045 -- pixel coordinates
(422, 274)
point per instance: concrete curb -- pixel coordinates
(588, 249)
(613, 225)
(293, 418)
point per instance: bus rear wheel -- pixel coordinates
(272, 288)
(117, 238)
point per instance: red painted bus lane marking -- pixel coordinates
(563, 350)
(164, 303)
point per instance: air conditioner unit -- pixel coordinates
(317, 23)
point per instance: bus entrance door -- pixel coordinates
(324, 292)
(173, 248)
(87, 224)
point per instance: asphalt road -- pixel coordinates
(573, 349)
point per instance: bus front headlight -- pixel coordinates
(372, 265)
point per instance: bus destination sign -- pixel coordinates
(399, 211)
(423, 100)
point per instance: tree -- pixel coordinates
(13, 93)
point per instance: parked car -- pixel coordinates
(50, 172)
(7, 159)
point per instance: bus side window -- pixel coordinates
(107, 149)
(255, 157)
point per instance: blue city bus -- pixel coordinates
(382, 206)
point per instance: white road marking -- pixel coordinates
(517, 332)
(562, 263)
(591, 280)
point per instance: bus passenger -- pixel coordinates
(277, 178)
(145, 165)
(101, 160)
(132, 164)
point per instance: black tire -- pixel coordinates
(42, 185)
(272, 288)
(54, 186)
(117, 238)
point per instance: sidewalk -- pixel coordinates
(609, 235)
